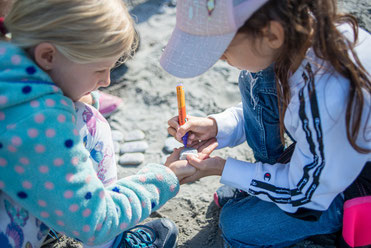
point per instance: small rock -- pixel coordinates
(188, 151)
(170, 144)
(116, 146)
(131, 158)
(134, 135)
(134, 146)
(117, 135)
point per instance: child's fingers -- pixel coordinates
(208, 146)
(173, 122)
(171, 131)
(195, 162)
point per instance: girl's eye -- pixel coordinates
(101, 71)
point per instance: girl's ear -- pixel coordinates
(44, 55)
(274, 34)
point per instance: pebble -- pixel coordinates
(134, 135)
(187, 151)
(134, 158)
(134, 146)
(116, 146)
(170, 144)
(117, 135)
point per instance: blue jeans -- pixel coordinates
(249, 221)
(260, 109)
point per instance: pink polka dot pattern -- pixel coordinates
(145, 170)
(60, 223)
(12, 148)
(88, 179)
(11, 126)
(61, 118)
(69, 177)
(160, 177)
(86, 228)
(158, 190)
(64, 102)
(49, 185)
(168, 170)
(58, 212)
(3, 162)
(123, 226)
(44, 169)
(91, 240)
(73, 208)
(44, 214)
(3, 100)
(27, 184)
(17, 141)
(86, 212)
(50, 133)
(55, 88)
(35, 104)
(75, 132)
(2, 50)
(143, 204)
(172, 188)
(41, 203)
(39, 118)
(128, 213)
(73, 118)
(19, 169)
(50, 102)
(2, 185)
(39, 148)
(142, 179)
(24, 161)
(2, 116)
(15, 59)
(76, 233)
(102, 194)
(32, 132)
(75, 161)
(99, 226)
(68, 194)
(58, 162)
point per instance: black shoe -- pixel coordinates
(160, 233)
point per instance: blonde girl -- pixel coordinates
(54, 53)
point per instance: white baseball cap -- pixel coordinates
(203, 31)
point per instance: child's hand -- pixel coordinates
(205, 165)
(208, 167)
(181, 168)
(199, 128)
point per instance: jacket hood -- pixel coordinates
(21, 80)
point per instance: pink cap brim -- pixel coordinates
(187, 55)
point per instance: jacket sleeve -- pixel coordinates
(230, 124)
(45, 168)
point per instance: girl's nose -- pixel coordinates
(106, 81)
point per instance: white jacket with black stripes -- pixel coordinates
(324, 163)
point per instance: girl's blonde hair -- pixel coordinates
(84, 31)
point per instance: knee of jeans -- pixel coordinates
(229, 223)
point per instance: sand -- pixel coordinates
(150, 100)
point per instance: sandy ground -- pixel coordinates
(150, 100)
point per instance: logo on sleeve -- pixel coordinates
(267, 176)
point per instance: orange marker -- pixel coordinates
(182, 110)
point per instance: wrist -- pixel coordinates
(214, 126)
(219, 166)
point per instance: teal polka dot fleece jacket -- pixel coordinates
(44, 165)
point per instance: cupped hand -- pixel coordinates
(181, 168)
(199, 128)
